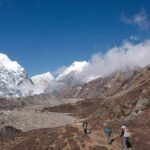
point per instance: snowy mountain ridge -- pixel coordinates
(75, 67)
(47, 76)
(14, 81)
(69, 77)
(8, 64)
(42, 82)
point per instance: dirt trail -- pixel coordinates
(97, 139)
(69, 137)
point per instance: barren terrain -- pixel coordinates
(31, 117)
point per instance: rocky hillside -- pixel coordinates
(71, 136)
(127, 104)
(9, 104)
(63, 138)
(110, 85)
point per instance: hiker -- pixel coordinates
(108, 133)
(125, 137)
(85, 125)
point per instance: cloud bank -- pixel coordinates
(128, 55)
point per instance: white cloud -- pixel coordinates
(134, 38)
(140, 19)
(128, 55)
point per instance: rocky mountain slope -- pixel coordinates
(109, 85)
(129, 106)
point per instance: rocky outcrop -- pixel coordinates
(141, 105)
(10, 103)
(8, 131)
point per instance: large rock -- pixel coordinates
(8, 130)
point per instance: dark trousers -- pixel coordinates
(108, 138)
(125, 143)
(85, 130)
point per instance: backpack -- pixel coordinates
(127, 134)
(108, 130)
(85, 124)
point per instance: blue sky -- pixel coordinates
(43, 35)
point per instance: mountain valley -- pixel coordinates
(52, 120)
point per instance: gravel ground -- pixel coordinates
(31, 117)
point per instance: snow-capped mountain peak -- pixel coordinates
(13, 79)
(41, 82)
(46, 76)
(75, 67)
(8, 64)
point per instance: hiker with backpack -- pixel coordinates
(108, 133)
(85, 125)
(125, 138)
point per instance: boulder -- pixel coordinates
(8, 130)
